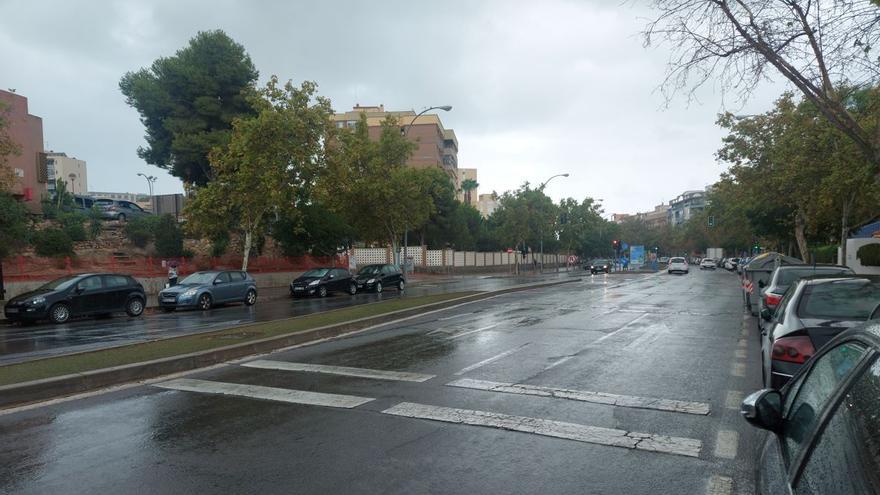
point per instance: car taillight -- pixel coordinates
(771, 299)
(793, 349)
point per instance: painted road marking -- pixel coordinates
(681, 406)
(738, 369)
(740, 353)
(569, 431)
(734, 399)
(557, 363)
(600, 339)
(743, 343)
(719, 485)
(266, 393)
(726, 444)
(400, 376)
(491, 360)
(459, 335)
(454, 316)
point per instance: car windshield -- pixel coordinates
(103, 202)
(60, 284)
(676, 260)
(199, 278)
(845, 300)
(316, 273)
(600, 262)
(787, 277)
(370, 270)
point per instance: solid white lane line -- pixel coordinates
(459, 335)
(734, 399)
(569, 431)
(265, 393)
(687, 407)
(609, 335)
(400, 376)
(726, 444)
(454, 316)
(557, 363)
(719, 485)
(738, 369)
(491, 360)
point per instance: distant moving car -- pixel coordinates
(783, 276)
(112, 209)
(824, 425)
(322, 281)
(205, 289)
(378, 277)
(79, 295)
(708, 264)
(812, 312)
(600, 265)
(663, 259)
(677, 265)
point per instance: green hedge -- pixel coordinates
(869, 254)
(52, 242)
(825, 254)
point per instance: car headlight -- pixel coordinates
(189, 293)
(604, 266)
(37, 300)
(371, 280)
(314, 282)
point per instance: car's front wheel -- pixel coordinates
(251, 297)
(352, 289)
(121, 217)
(134, 307)
(378, 287)
(401, 285)
(322, 291)
(205, 302)
(59, 313)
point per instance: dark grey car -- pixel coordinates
(205, 289)
(824, 426)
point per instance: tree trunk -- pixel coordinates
(800, 226)
(248, 241)
(844, 228)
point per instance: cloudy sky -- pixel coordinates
(538, 88)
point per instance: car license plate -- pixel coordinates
(298, 289)
(10, 311)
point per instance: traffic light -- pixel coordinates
(711, 220)
(615, 243)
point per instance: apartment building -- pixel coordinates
(70, 170)
(29, 166)
(682, 208)
(487, 204)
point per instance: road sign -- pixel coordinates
(625, 246)
(509, 250)
(572, 259)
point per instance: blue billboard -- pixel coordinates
(636, 256)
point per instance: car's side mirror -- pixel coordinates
(766, 315)
(79, 289)
(331, 276)
(761, 284)
(763, 409)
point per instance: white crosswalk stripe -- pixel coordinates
(570, 431)
(687, 407)
(399, 376)
(265, 393)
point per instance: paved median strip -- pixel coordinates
(569, 431)
(687, 407)
(399, 376)
(265, 393)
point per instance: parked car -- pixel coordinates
(784, 276)
(663, 259)
(378, 277)
(708, 264)
(600, 265)
(822, 428)
(205, 289)
(677, 265)
(78, 295)
(812, 312)
(731, 264)
(322, 281)
(112, 209)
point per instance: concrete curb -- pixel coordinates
(38, 390)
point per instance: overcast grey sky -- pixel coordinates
(538, 88)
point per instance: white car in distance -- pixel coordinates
(677, 265)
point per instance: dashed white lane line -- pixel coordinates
(719, 485)
(609, 335)
(726, 444)
(738, 369)
(734, 399)
(464, 334)
(687, 407)
(265, 393)
(454, 316)
(491, 360)
(740, 353)
(400, 376)
(743, 343)
(569, 431)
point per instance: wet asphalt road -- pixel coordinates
(21, 343)
(681, 338)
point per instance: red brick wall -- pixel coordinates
(27, 131)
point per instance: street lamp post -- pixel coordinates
(406, 129)
(541, 188)
(150, 180)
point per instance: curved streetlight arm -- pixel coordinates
(544, 184)
(445, 108)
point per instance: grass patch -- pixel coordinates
(175, 346)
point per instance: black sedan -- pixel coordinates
(322, 281)
(824, 425)
(812, 312)
(79, 295)
(378, 277)
(600, 265)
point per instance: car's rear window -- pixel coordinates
(676, 260)
(843, 300)
(788, 277)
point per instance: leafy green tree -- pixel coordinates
(524, 217)
(169, 237)
(311, 229)
(188, 102)
(14, 225)
(268, 154)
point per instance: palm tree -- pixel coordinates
(467, 186)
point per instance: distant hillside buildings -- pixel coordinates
(676, 212)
